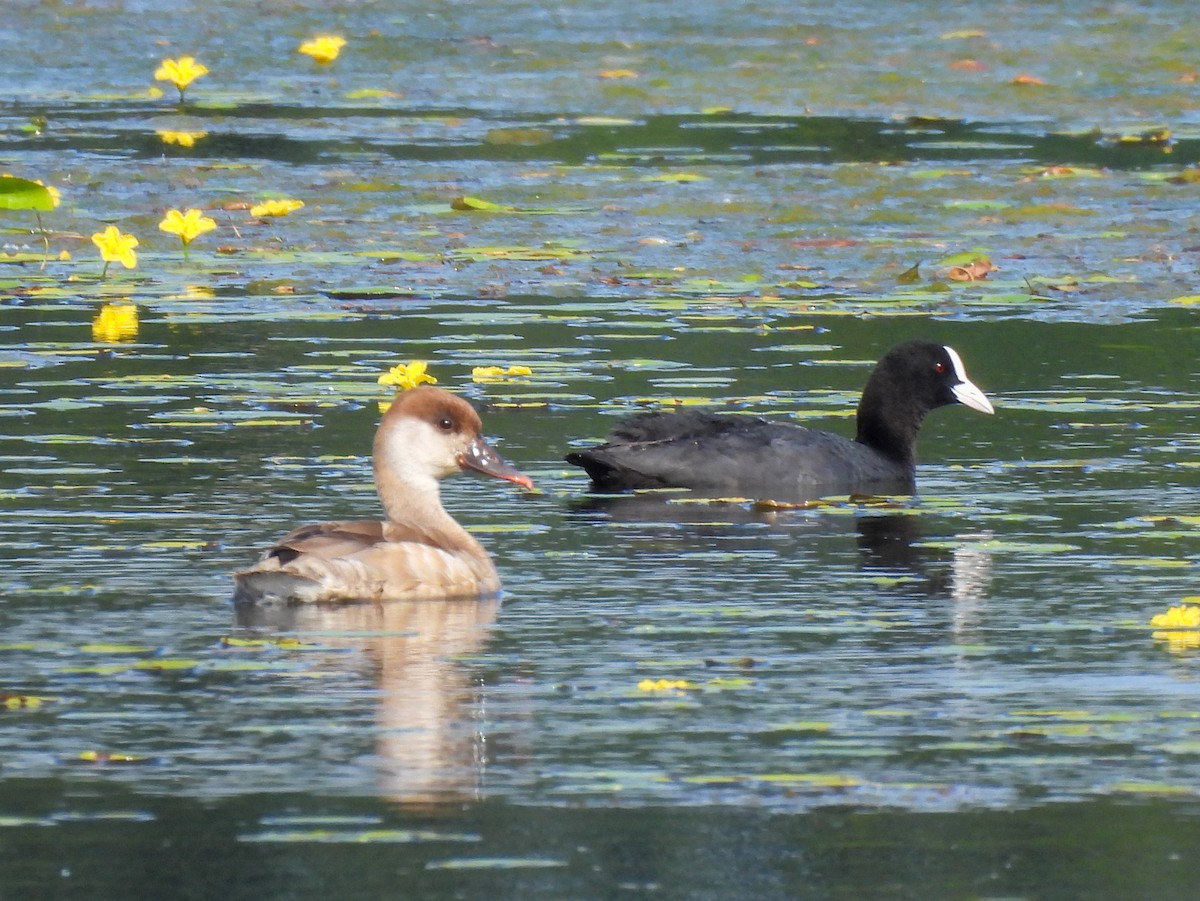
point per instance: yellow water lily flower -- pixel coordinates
(187, 225)
(180, 72)
(324, 48)
(115, 322)
(276, 207)
(115, 247)
(182, 138)
(407, 375)
(498, 373)
(1185, 616)
(664, 685)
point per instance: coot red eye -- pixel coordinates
(939, 368)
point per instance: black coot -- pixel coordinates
(746, 455)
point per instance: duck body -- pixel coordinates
(366, 560)
(751, 456)
(419, 551)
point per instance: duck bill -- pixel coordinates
(481, 457)
(969, 396)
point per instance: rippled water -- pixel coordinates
(954, 695)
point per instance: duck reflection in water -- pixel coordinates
(430, 714)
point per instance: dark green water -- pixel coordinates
(951, 696)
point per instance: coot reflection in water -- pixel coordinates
(892, 544)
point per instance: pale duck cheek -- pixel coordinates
(416, 451)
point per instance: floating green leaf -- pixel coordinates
(476, 204)
(23, 194)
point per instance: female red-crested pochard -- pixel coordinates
(419, 551)
(755, 457)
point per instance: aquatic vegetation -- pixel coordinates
(467, 203)
(181, 138)
(273, 208)
(27, 194)
(324, 48)
(186, 225)
(1184, 616)
(180, 72)
(407, 375)
(665, 685)
(498, 373)
(115, 247)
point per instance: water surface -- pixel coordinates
(952, 695)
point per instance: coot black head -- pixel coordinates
(908, 381)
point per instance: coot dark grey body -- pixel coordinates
(747, 455)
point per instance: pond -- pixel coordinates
(956, 694)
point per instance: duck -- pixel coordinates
(742, 455)
(419, 551)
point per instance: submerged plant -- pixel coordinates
(180, 72)
(115, 247)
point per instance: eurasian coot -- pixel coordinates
(746, 455)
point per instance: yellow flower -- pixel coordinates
(324, 48)
(407, 375)
(116, 247)
(180, 72)
(664, 685)
(187, 225)
(275, 207)
(1184, 616)
(182, 138)
(498, 373)
(115, 322)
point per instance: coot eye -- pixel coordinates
(939, 367)
(446, 424)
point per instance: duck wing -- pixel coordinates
(327, 540)
(736, 454)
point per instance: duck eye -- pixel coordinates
(446, 424)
